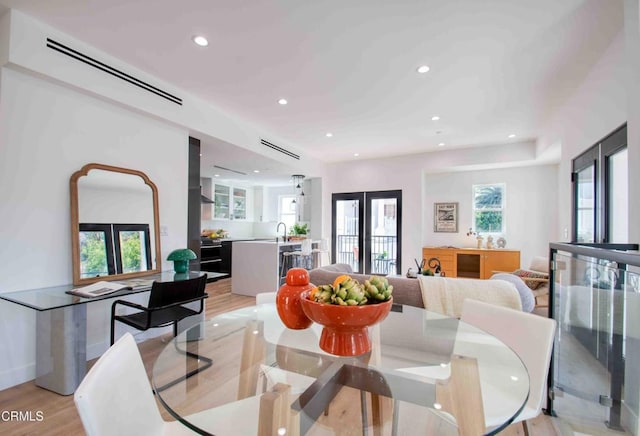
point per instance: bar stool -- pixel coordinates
(302, 258)
(286, 263)
(317, 253)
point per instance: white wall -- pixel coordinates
(597, 108)
(271, 201)
(47, 132)
(234, 228)
(5, 27)
(406, 173)
(608, 97)
(631, 408)
(632, 58)
(530, 215)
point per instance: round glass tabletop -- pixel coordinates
(244, 372)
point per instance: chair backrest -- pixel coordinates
(164, 293)
(115, 397)
(539, 263)
(305, 247)
(266, 297)
(530, 336)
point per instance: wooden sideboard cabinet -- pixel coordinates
(475, 263)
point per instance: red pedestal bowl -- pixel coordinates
(345, 331)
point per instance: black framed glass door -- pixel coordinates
(600, 194)
(367, 231)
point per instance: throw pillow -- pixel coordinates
(540, 264)
(526, 296)
(525, 273)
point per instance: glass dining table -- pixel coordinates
(425, 374)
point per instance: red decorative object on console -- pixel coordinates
(288, 299)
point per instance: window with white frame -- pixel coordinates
(287, 209)
(489, 208)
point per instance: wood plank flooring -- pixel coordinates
(59, 412)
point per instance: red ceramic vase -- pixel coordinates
(345, 331)
(288, 299)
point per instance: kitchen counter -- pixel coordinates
(288, 243)
(256, 267)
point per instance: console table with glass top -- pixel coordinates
(263, 372)
(61, 328)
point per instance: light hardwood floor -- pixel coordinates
(61, 417)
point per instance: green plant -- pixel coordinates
(347, 291)
(299, 229)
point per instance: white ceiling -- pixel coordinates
(348, 67)
(215, 152)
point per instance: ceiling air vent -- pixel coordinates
(279, 149)
(55, 45)
(229, 169)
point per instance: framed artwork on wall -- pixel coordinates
(445, 217)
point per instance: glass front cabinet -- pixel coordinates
(230, 203)
(239, 204)
(221, 202)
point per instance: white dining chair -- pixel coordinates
(529, 336)
(115, 399)
(266, 297)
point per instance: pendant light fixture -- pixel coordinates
(297, 180)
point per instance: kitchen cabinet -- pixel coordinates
(225, 255)
(215, 255)
(221, 206)
(477, 263)
(211, 256)
(239, 204)
(205, 190)
(230, 203)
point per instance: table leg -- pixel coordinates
(61, 348)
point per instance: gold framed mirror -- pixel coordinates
(115, 231)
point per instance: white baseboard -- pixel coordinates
(16, 376)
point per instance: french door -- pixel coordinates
(366, 231)
(600, 194)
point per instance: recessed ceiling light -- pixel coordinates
(441, 144)
(356, 154)
(329, 135)
(283, 101)
(435, 118)
(200, 40)
(422, 69)
(512, 135)
(216, 175)
(256, 171)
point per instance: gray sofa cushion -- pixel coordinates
(405, 291)
(338, 267)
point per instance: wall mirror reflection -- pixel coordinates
(114, 223)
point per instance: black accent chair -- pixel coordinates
(165, 305)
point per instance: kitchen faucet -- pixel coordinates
(284, 235)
